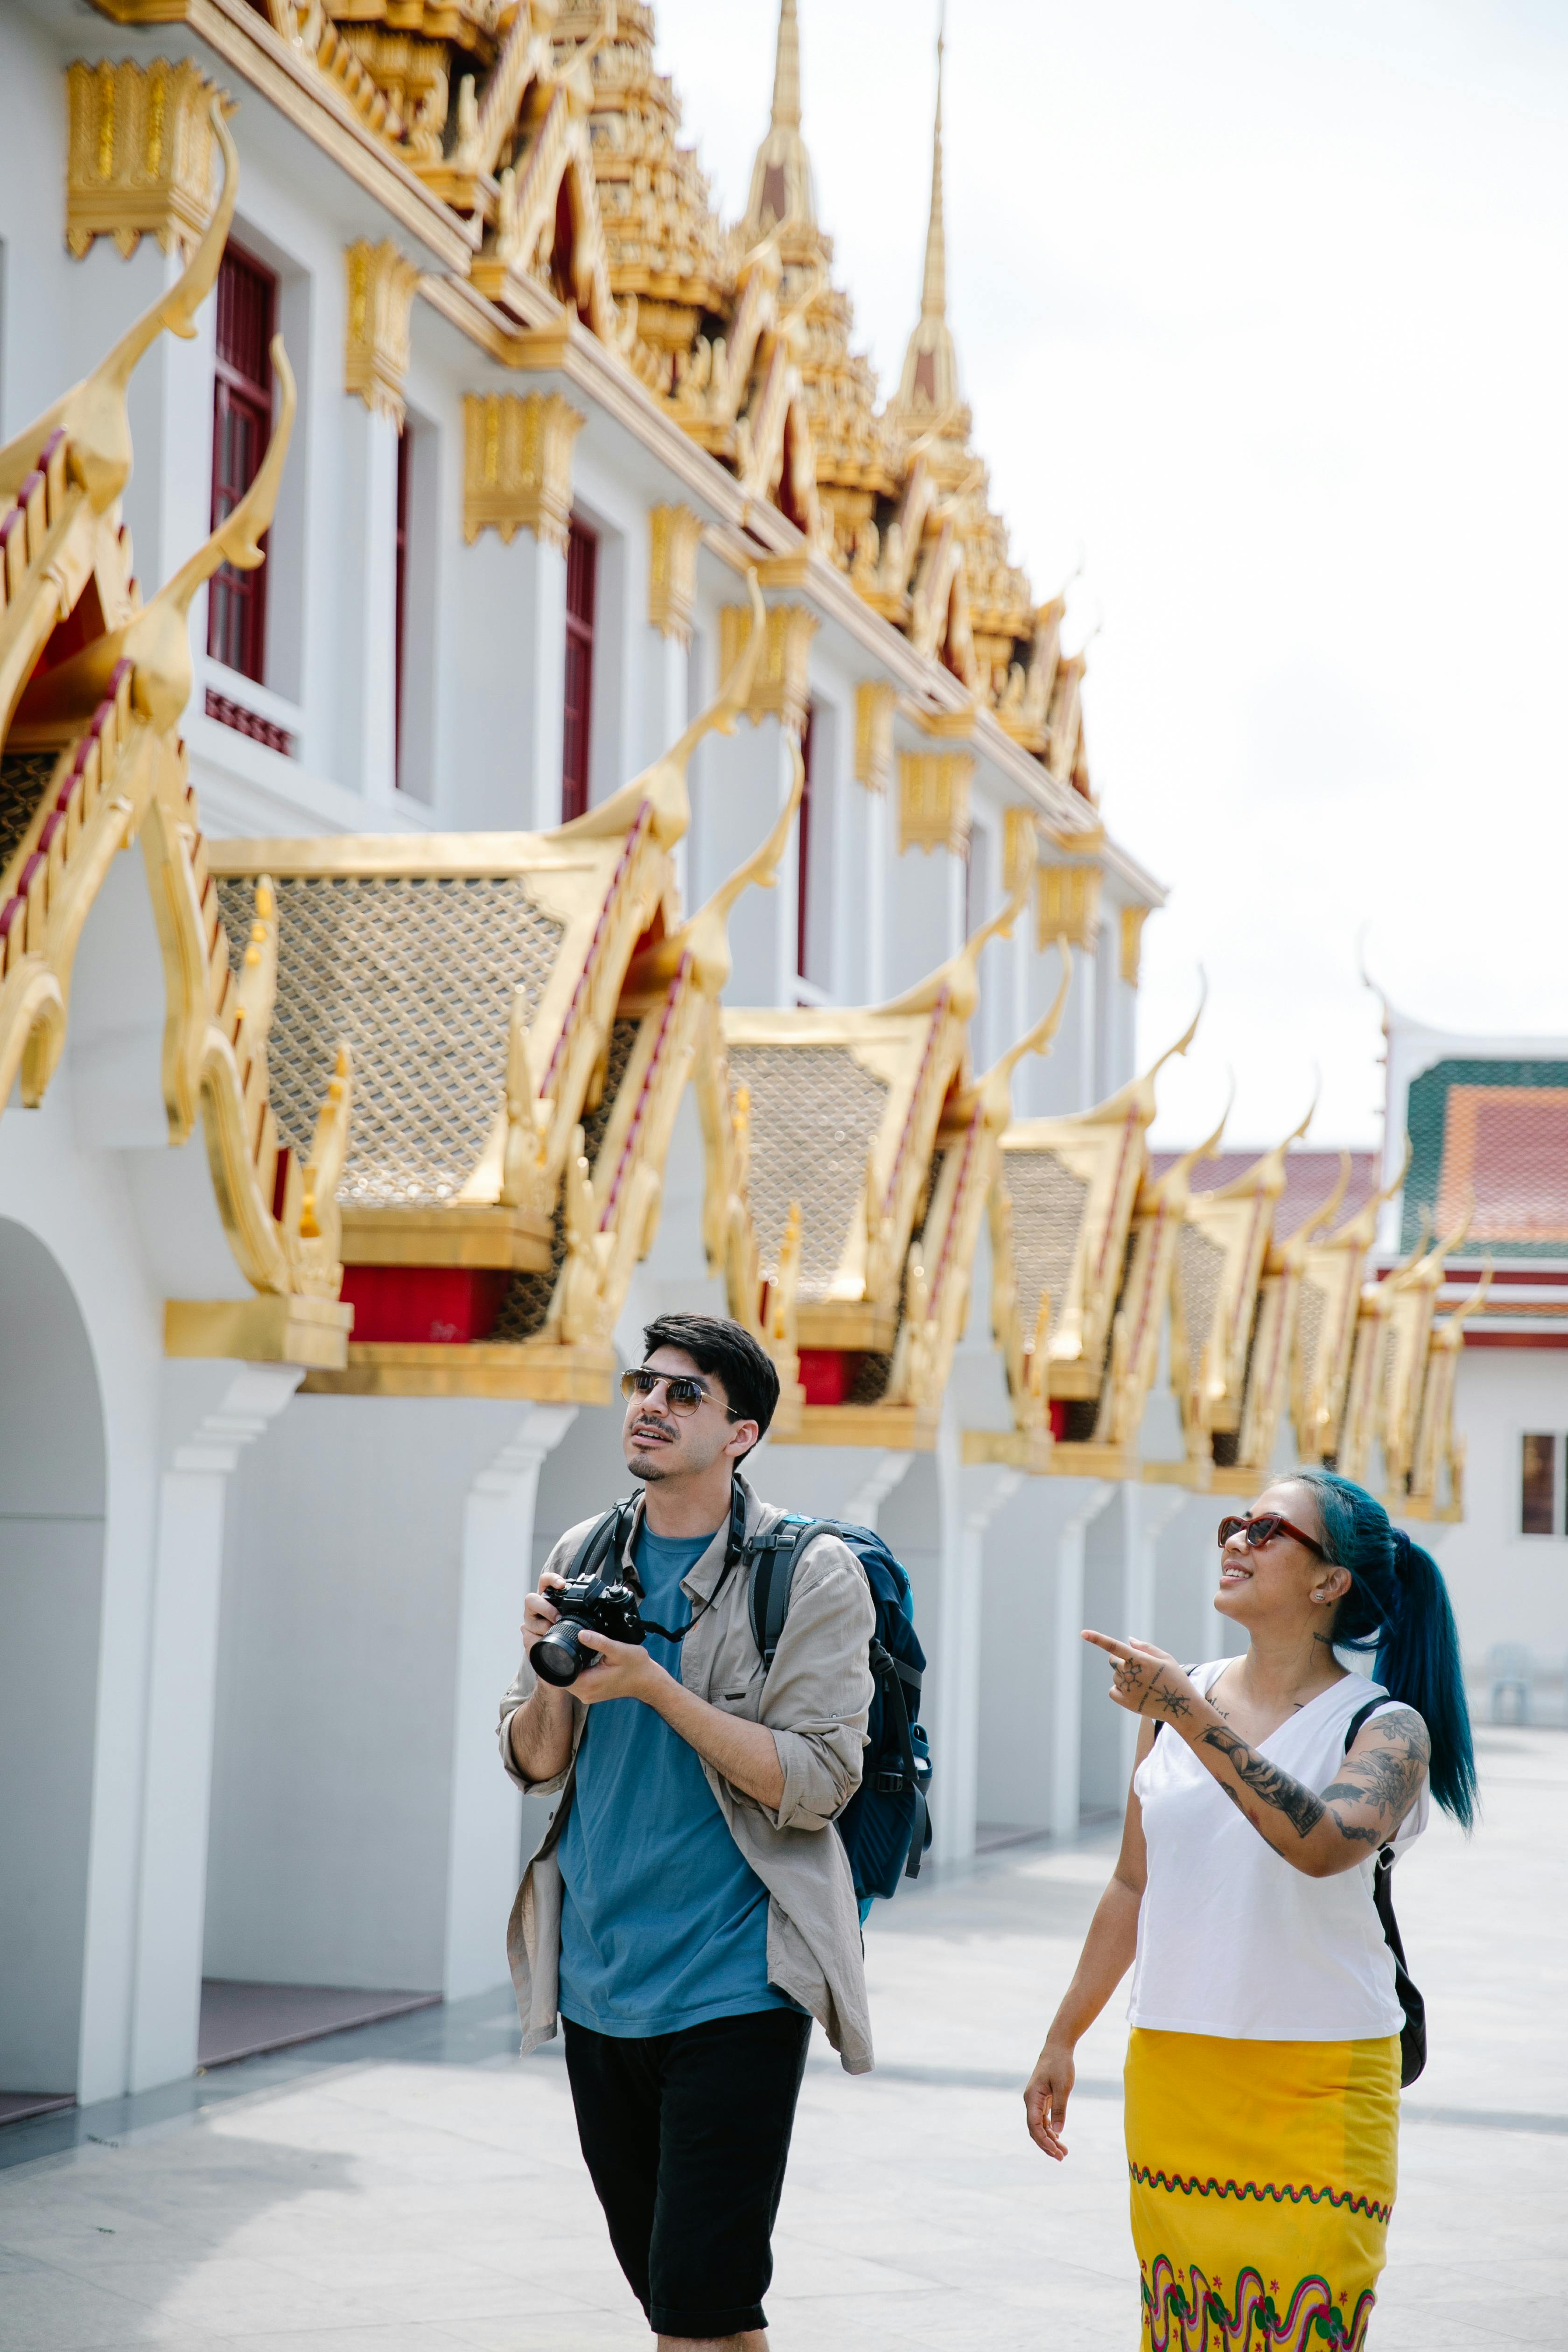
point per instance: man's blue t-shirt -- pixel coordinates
(664, 1924)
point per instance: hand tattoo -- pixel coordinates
(1300, 1808)
(1171, 1703)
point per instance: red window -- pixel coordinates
(802, 853)
(582, 565)
(404, 454)
(242, 426)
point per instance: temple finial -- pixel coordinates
(928, 387)
(782, 190)
(786, 71)
(933, 285)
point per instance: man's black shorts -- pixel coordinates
(686, 2136)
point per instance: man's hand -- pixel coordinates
(625, 1671)
(1146, 1681)
(538, 1614)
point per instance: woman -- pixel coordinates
(1264, 2063)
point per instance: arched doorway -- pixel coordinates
(52, 1489)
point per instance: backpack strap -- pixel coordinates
(773, 1558)
(605, 1539)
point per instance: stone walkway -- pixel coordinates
(415, 2186)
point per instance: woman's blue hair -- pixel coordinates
(1398, 1607)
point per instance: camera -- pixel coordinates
(558, 1656)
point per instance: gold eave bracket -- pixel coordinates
(855, 1324)
(463, 1233)
(543, 1374)
(270, 1329)
(895, 1428)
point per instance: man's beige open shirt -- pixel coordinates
(815, 1699)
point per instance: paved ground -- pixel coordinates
(415, 2186)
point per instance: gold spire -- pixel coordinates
(929, 385)
(782, 187)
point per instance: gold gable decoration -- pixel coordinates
(874, 707)
(1072, 1263)
(1326, 1332)
(140, 154)
(98, 730)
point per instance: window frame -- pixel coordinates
(235, 597)
(1556, 1442)
(577, 717)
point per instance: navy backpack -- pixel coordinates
(886, 1825)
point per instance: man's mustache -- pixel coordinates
(646, 1428)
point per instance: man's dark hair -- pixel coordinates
(718, 1346)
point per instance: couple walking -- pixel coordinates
(688, 1915)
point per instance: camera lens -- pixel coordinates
(558, 1656)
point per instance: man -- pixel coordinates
(690, 1909)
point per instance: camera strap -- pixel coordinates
(608, 1541)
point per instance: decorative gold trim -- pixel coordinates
(1133, 919)
(516, 465)
(781, 686)
(675, 534)
(1020, 846)
(541, 1370)
(270, 1329)
(139, 160)
(1068, 905)
(381, 286)
(459, 1233)
(875, 703)
(934, 799)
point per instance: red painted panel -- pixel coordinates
(1058, 1418)
(827, 1374)
(454, 1304)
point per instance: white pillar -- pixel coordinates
(367, 693)
(1148, 1512)
(497, 1571)
(1067, 1663)
(879, 883)
(241, 1401)
(982, 1493)
(868, 1498)
(503, 687)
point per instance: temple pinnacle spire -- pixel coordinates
(782, 188)
(928, 384)
(787, 71)
(933, 286)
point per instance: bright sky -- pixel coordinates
(1261, 312)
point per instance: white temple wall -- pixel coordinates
(1506, 1587)
(363, 1832)
(88, 1647)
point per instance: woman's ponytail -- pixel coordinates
(1398, 1607)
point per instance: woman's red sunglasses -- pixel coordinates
(1264, 1528)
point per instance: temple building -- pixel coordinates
(531, 794)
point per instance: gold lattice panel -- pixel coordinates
(418, 976)
(23, 778)
(1310, 1311)
(1199, 1267)
(814, 1114)
(1048, 1203)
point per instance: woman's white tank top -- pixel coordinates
(1231, 1940)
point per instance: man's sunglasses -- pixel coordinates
(1264, 1528)
(683, 1393)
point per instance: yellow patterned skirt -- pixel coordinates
(1263, 2177)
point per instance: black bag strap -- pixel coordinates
(605, 1539)
(772, 1576)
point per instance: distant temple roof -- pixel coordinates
(1309, 1180)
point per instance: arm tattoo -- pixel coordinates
(1300, 1808)
(1385, 1778)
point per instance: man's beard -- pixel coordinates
(647, 1466)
